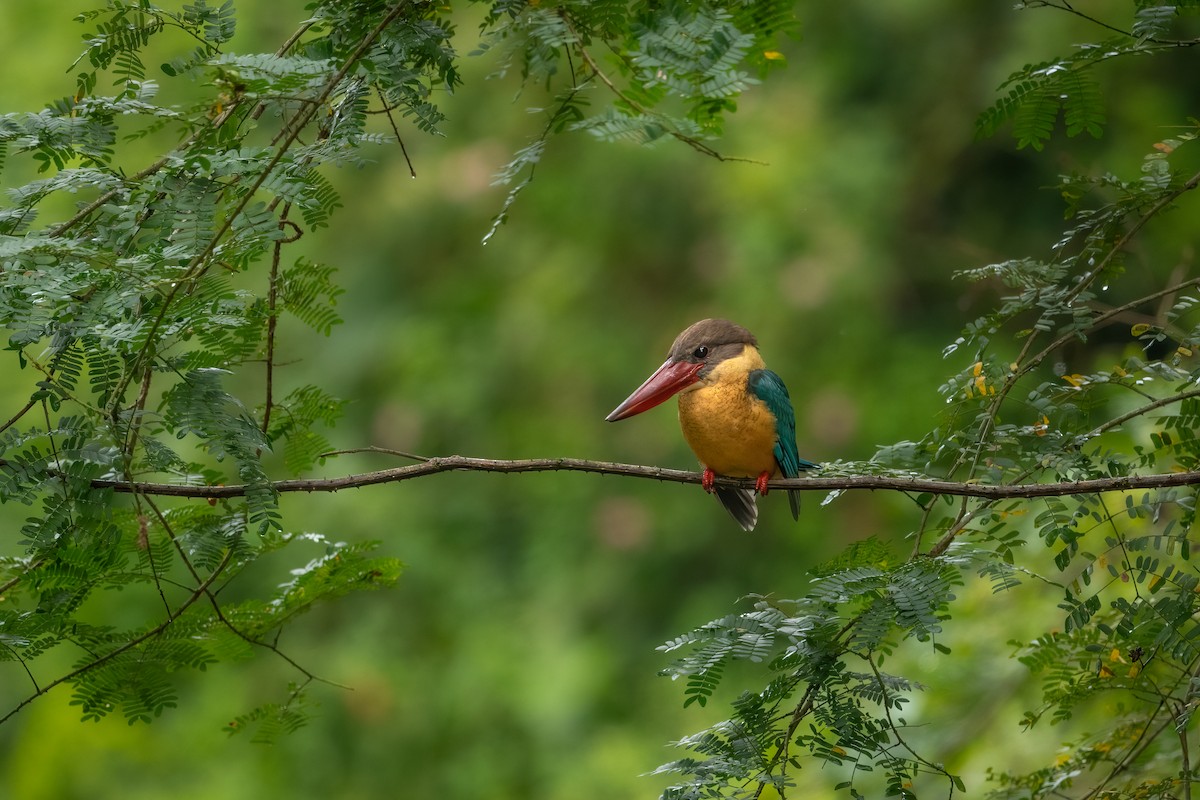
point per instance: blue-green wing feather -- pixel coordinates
(768, 387)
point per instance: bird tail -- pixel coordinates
(794, 495)
(740, 505)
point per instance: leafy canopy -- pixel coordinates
(142, 300)
(1029, 402)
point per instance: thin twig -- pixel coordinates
(396, 130)
(886, 704)
(135, 419)
(1186, 764)
(273, 316)
(1144, 740)
(1146, 737)
(1067, 7)
(373, 449)
(17, 416)
(802, 710)
(66, 484)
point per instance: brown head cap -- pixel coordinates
(711, 341)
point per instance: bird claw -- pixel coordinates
(760, 485)
(706, 480)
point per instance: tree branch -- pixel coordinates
(843, 483)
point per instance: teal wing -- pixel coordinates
(768, 387)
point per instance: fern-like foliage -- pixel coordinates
(295, 421)
(854, 614)
(307, 291)
(127, 316)
(270, 721)
(1024, 403)
(1035, 94)
(678, 73)
(141, 302)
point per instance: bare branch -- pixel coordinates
(434, 466)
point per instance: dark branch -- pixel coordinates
(817, 484)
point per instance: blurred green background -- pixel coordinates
(516, 657)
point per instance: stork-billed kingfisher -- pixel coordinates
(735, 413)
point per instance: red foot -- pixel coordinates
(761, 484)
(706, 480)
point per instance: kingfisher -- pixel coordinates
(735, 413)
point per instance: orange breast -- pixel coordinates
(729, 430)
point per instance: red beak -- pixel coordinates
(666, 381)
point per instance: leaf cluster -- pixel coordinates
(1035, 96)
(1033, 395)
(133, 316)
(674, 70)
(148, 305)
(815, 707)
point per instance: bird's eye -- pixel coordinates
(700, 352)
